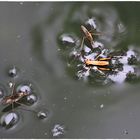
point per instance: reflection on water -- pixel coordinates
(9, 120)
(42, 40)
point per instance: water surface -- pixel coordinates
(29, 40)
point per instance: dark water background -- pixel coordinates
(28, 40)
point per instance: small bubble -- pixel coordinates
(31, 99)
(24, 88)
(8, 120)
(65, 98)
(12, 72)
(67, 39)
(102, 105)
(58, 130)
(92, 23)
(10, 84)
(42, 115)
(125, 132)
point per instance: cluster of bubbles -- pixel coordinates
(123, 63)
(9, 117)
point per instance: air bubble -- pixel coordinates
(67, 39)
(102, 106)
(31, 99)
(12, 72)
(92, 23)
(8, 120)
(42, 115)
(24, 88)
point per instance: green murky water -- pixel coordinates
(29, 40)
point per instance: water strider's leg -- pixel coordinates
(101, 72)
(97, 56)
(82, 43)
(25, 108)
(104, 59)
(104, 69)
(13, 87)
(96, 33)
(80, 50)
(117, 57)
(12, 91)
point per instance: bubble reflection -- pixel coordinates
(8, 120)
